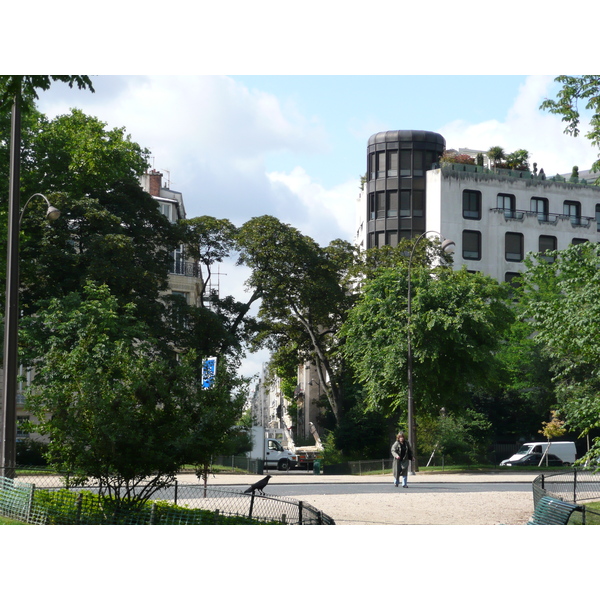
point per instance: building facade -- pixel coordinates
(494, 216)
(184, 275)
(395, 194)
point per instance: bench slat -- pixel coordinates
(551, 511)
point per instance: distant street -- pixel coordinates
(336, 489)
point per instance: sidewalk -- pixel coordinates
(299, 477)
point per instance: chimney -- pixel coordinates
(155, 179)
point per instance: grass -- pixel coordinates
(5, 521)
(591, 518)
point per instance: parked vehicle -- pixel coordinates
(533, 459)
(271, 451)
(565, 451)
(307, 455)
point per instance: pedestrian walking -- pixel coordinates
(402, 453)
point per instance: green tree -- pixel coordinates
(457, 437)
(304, 297)
(110, 231)
(115, 409)
(524, 390)
(561, 301)
(585, 88)
(26, 86)
(458, 320)
(496, 154)
(518, 160)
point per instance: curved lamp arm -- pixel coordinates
(51, 214)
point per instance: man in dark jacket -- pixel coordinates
(402, 453)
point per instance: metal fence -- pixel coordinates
(44, 499)
(574, 485)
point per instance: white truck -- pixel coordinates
(564, 450)
(270, 450)
(307, 455)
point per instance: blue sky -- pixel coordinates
(295, 146)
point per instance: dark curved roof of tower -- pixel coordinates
(407, 135)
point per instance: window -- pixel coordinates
(380, 205)
(572, 209)
(165, 209)
(547, 243)
(418, 159)
(405, 166)
(372, 165)
(597, 217)
(418, 205)
(371, 206)
(507, 203)
(392, 203)
(509, 277)
(471, 204)
(577, 241)
(178, 266)
(513, 247)
(392, 166)
(471, 245)
(539, 206)
(392, 238)
(405, 203)
(380, 164)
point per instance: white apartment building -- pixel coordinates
(495, 217)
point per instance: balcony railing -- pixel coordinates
(188, 269)
(551, 218)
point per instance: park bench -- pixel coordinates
(551, 511)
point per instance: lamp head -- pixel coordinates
(448, 246)
(52, 213)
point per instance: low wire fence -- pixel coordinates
(575, 485)
(43, 499)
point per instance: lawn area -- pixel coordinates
(5, 521)
(591, 518)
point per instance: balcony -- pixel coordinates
(187, 269)
(550, 218)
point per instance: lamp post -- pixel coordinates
(8, 449)
(448, 248)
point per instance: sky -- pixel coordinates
(294, 146)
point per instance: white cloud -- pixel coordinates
(323, 214)
(527, 127)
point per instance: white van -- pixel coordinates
(563, 450)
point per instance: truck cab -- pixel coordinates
(277, 456)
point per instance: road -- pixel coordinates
(335, 489)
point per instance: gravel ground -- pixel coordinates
(412, 507)
(486, 508)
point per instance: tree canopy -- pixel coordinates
(584, 88)
(116, 409)
(303, 293)
(560, 299)
(457, 323)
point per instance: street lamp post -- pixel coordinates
(448, 248)
(8, 448)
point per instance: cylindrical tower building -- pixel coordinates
(396, 165)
